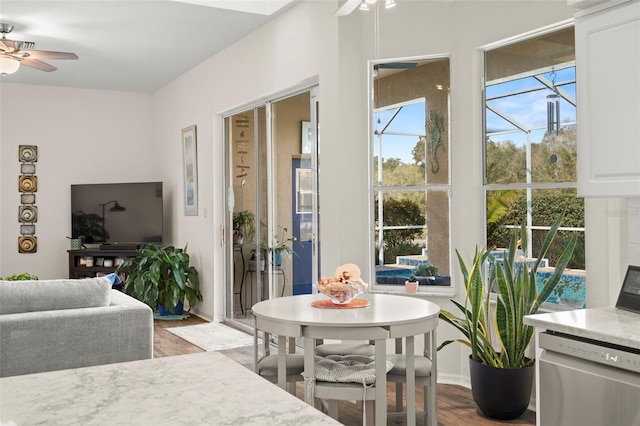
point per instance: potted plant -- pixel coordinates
(244, 225)
(500, 371)
(162, 277)
(281, 247)
(256, 261)
(411, 284)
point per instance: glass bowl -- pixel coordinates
(341, 291)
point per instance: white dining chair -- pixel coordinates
(266, 364)
(425, 377)
(356, 382)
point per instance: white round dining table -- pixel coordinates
(386, 317)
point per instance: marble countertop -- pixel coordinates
(609, 324)
(195, 389)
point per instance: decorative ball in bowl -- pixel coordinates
(345, 286)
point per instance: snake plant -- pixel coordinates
(497, 335)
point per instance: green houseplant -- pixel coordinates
(411, 285)
(162, 276)
(281, 247)
(25, 276)
(258, 257)
(244, 225)
(497, 336)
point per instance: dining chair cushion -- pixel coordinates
(327, 349)
(348, 369)
(268, 366)
(399, 361)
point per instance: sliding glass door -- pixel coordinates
(272, 209)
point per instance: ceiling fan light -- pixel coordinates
(364, 6)
(370, 1)
(8, 65)
(389, 4)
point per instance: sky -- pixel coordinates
(529, 109)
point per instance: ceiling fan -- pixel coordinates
(14, 53)
(350, 5)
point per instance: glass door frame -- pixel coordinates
(230, 306)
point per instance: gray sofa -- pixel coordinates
(60, 324)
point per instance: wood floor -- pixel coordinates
(455, 403)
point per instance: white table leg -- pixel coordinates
(381, 382)
(411, 381)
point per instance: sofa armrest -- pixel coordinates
(33, 342)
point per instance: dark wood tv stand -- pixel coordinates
(79, 269)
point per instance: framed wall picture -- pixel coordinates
(306, 138)
(190, 160)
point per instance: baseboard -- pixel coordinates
(454, 379)
(205, 317)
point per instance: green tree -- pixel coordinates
(397, 242)
(418, 153)
(391, 163)
(546, 206)
(506, 162)
(555, 158)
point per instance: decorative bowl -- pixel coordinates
(341, 291)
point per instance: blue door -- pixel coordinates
(301, 212)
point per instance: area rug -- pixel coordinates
(213, 336)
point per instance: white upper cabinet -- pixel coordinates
(608, 91)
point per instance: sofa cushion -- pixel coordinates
(49, 295)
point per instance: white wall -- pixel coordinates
(83, 135)
(276, 57)
(633, 218)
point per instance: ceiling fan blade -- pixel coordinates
(348, 7)
(37, 64)
(9, 45)
(45, 54)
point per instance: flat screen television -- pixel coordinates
(117, 215)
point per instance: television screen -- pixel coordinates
(117, 213)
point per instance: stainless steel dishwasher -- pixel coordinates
(586, 382)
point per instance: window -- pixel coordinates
(530, 151)
(410, 172)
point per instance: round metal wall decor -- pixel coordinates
(27, 244)
(27, 186)
(28, 214)
(28, 153)
(28, 183)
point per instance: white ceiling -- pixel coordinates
(136, 46)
